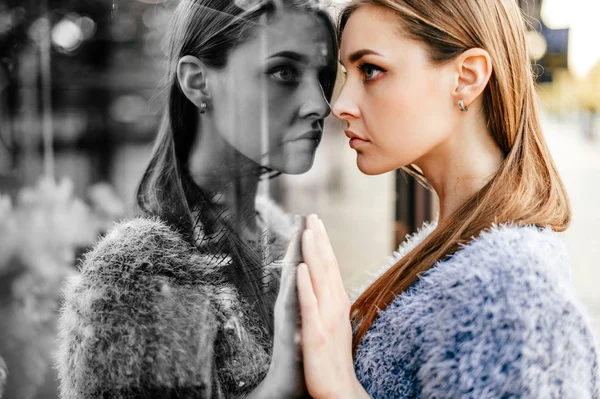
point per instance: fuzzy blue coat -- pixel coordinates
(499, 319)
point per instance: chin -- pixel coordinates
(370, 168)
(297, 166)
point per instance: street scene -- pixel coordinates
(82, 92)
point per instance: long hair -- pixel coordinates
(526, 190)
(209, 30)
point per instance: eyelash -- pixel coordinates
(366, 66)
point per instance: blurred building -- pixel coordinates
(549, 48)
(78, 79)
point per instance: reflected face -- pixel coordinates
(397, 104)
(268, 102)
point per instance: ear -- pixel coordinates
(191, 75)
(474, 68)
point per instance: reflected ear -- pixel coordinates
(474, 71)
(191, 75)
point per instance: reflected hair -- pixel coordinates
(527, 189)
(210, 30)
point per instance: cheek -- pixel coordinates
(282, 106)
(255, 117)
(407, 119)
(289, 157)
(237, 112)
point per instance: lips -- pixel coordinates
(351, 135)
(356, 141)
(314, 134)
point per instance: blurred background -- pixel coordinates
(79, 105)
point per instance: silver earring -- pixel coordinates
(462, 106)
(202, 108)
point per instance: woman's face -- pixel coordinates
(268, 102)
(397, 105)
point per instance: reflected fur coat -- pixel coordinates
(150, 315)
(498, 319)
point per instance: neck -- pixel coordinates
(229, 178)
(463, 164)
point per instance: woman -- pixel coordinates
(480, 304)
(180, 301)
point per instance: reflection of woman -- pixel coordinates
(179, 302)
(480, 305)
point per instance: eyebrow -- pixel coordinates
(291, 55)
(357, 55)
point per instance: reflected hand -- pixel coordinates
(286, 365)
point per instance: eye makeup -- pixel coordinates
(370, 71)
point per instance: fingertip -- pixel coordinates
(302, 268)
(313, 220)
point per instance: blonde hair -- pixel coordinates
(527, 189)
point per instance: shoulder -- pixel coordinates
(142, 307)
(142, 234)
(511, 249)
(514, 259)
(501, 316)
(146, 245)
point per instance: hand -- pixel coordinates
(285, 378)
(325, 310)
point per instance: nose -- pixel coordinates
(315, 105)
(344, 107)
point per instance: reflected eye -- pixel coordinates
(285, 74)
(370, 71)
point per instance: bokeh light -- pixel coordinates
(67, 35)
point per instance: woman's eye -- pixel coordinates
(370, 71)
(285, 74)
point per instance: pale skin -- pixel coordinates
(400, 109)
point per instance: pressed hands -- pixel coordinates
(314, 356)
(326, 331)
